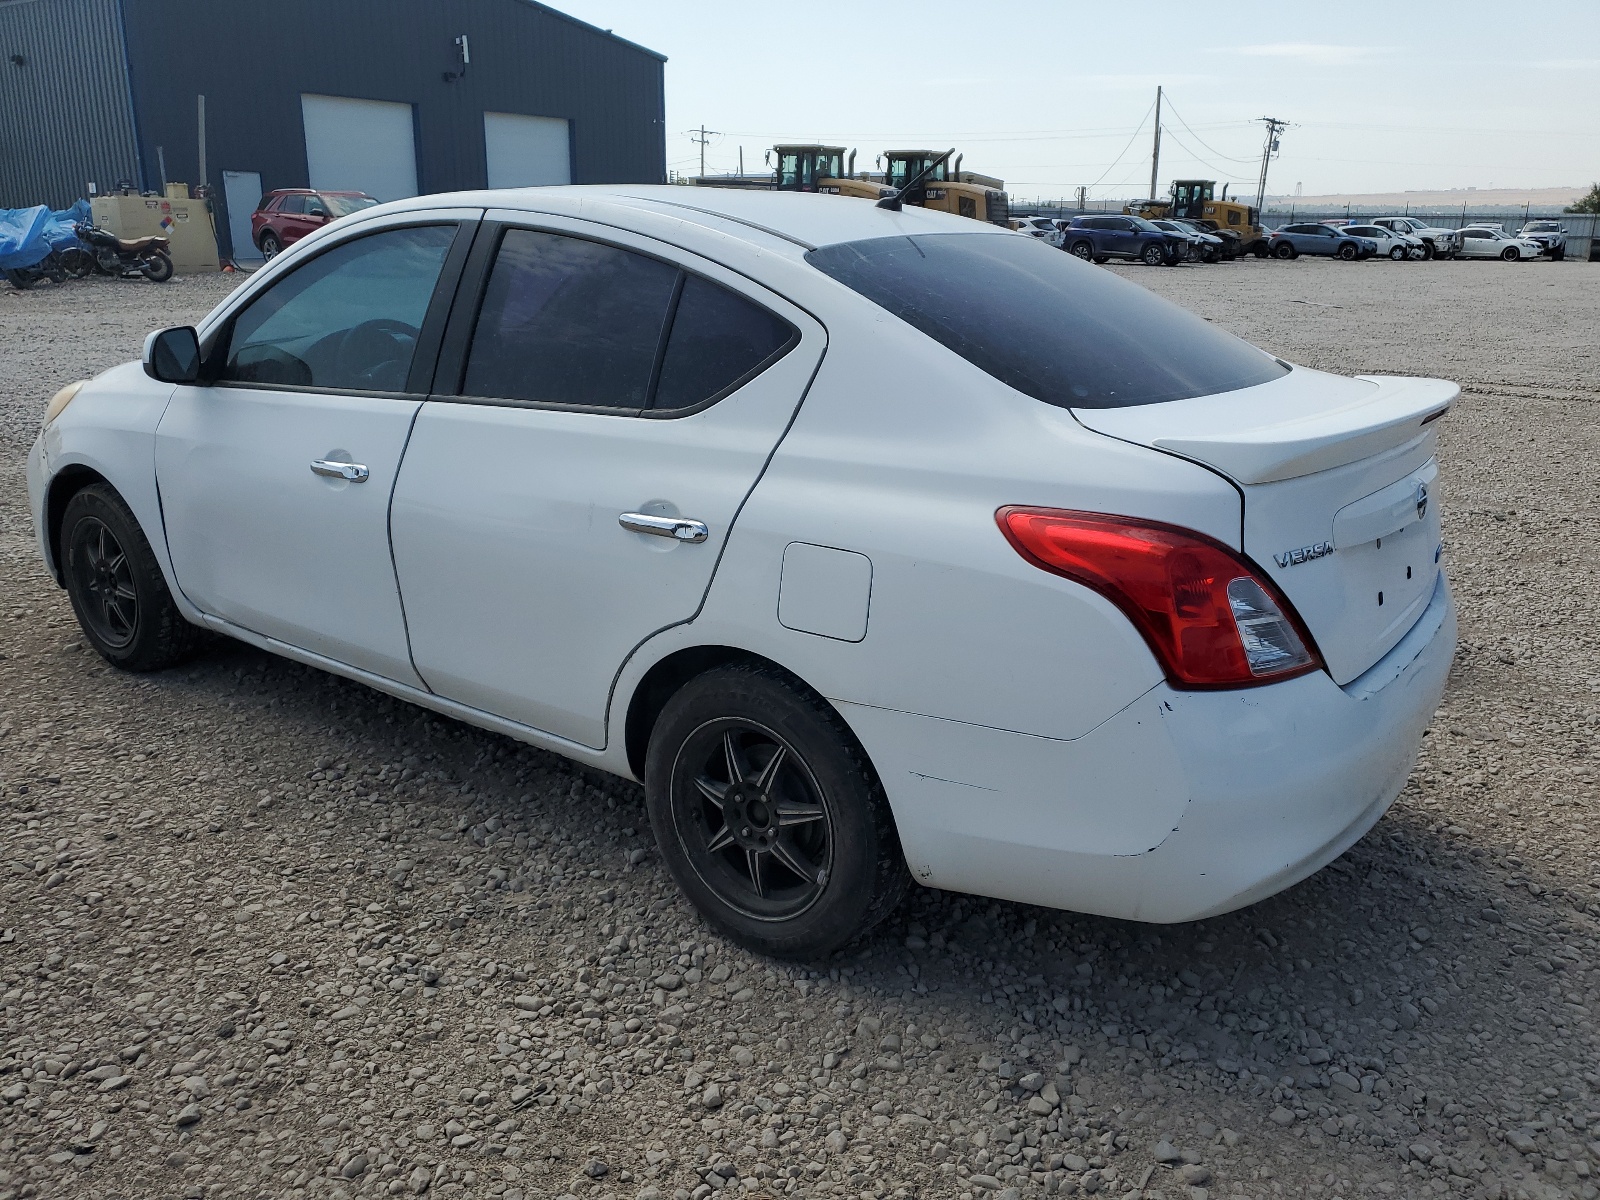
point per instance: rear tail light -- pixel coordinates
(1209, 617)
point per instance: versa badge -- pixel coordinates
(1293, 558)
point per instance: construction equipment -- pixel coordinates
(1195, 200)
(822, 169)
(945, 187)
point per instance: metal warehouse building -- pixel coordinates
(389, 97)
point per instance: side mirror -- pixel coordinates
(320, 213)
(173, 355)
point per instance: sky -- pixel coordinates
(1054, 96)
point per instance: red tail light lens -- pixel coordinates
(1210, 619)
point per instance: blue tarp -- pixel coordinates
(22, 236)
(27, 235)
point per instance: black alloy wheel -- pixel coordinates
(753, 819)
(1284, 250)
(1348, 252)
(104, 579)
(768, 814)
(1510, 254)
(1083, 250)
(117, 590)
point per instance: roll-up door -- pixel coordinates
(360, 146)
(526, 151)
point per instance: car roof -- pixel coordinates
(769, 219)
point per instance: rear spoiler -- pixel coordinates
(1306, 422)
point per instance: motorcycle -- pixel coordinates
(147, 256)
(50, 267)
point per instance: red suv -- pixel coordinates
(288, 214)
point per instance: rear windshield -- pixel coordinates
(1047, 324)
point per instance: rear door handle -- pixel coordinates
(678, 528)
(352, 472)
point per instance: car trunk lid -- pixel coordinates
(1340, 493)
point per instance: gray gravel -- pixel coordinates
(268, 933)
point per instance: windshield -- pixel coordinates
(1052, 327)
(343, 206)
(903, 169)
(1147, 226)
(1542, 227)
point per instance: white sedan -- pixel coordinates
(1398, 246)
(1043, 228)
(879, 545)
(1488, 241)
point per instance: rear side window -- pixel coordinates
(293, 204)
(1052, 327)
(718, 341)
(568, 321)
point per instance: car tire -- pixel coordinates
(1154, 255)
(1510, 254)
(1348, 252)
(1558, 255)
(1284, 250)
(1398, 254)
(801, 894)
(157, 268)
(1101, 259)
(1084, 250)
(269, 245)
(1427, 251)
(116, 587)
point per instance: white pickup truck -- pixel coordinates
(1439, 243)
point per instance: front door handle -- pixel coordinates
(351, 472)
(678, 528)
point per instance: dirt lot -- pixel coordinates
(267, 933)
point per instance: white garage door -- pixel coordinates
(526, 151)
(360, 146)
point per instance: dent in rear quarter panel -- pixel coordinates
(110, 428)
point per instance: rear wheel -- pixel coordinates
(270, 245)
(769, 816)
(1083, 250)
(1510, 254)
(1284, 250)
(116, 586)
(157, 268)
(1154, 255)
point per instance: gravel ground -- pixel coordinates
(267, 933)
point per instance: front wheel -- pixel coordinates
(1284, 250)
(1153, 255)
(1398, 254)
(1510, 254)
(1347, 252)
(21, 278)
(1083, 250)
(1558, 255)
(769, 816)
(157, 268)
(79, 263)
(116, 586)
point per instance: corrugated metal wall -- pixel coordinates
(253, 62)
(65, 111)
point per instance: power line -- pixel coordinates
(702, 136)
(1126, 148)
(1202, 141)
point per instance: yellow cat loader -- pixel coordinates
(822, 169)
(938, 184)
(1195, 200)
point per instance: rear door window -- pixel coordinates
(569, 322)
(1052, 327)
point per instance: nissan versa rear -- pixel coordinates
(878, 545)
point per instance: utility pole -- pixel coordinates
(1083, 199)
(1268, 149)
(1155, 150)
(702, 136)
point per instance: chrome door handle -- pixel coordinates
(352, 472)
(678, 528)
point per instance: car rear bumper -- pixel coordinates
(1183, 806)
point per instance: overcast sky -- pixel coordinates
(1048, 96)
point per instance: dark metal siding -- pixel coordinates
(253, 62)
(65, 113)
